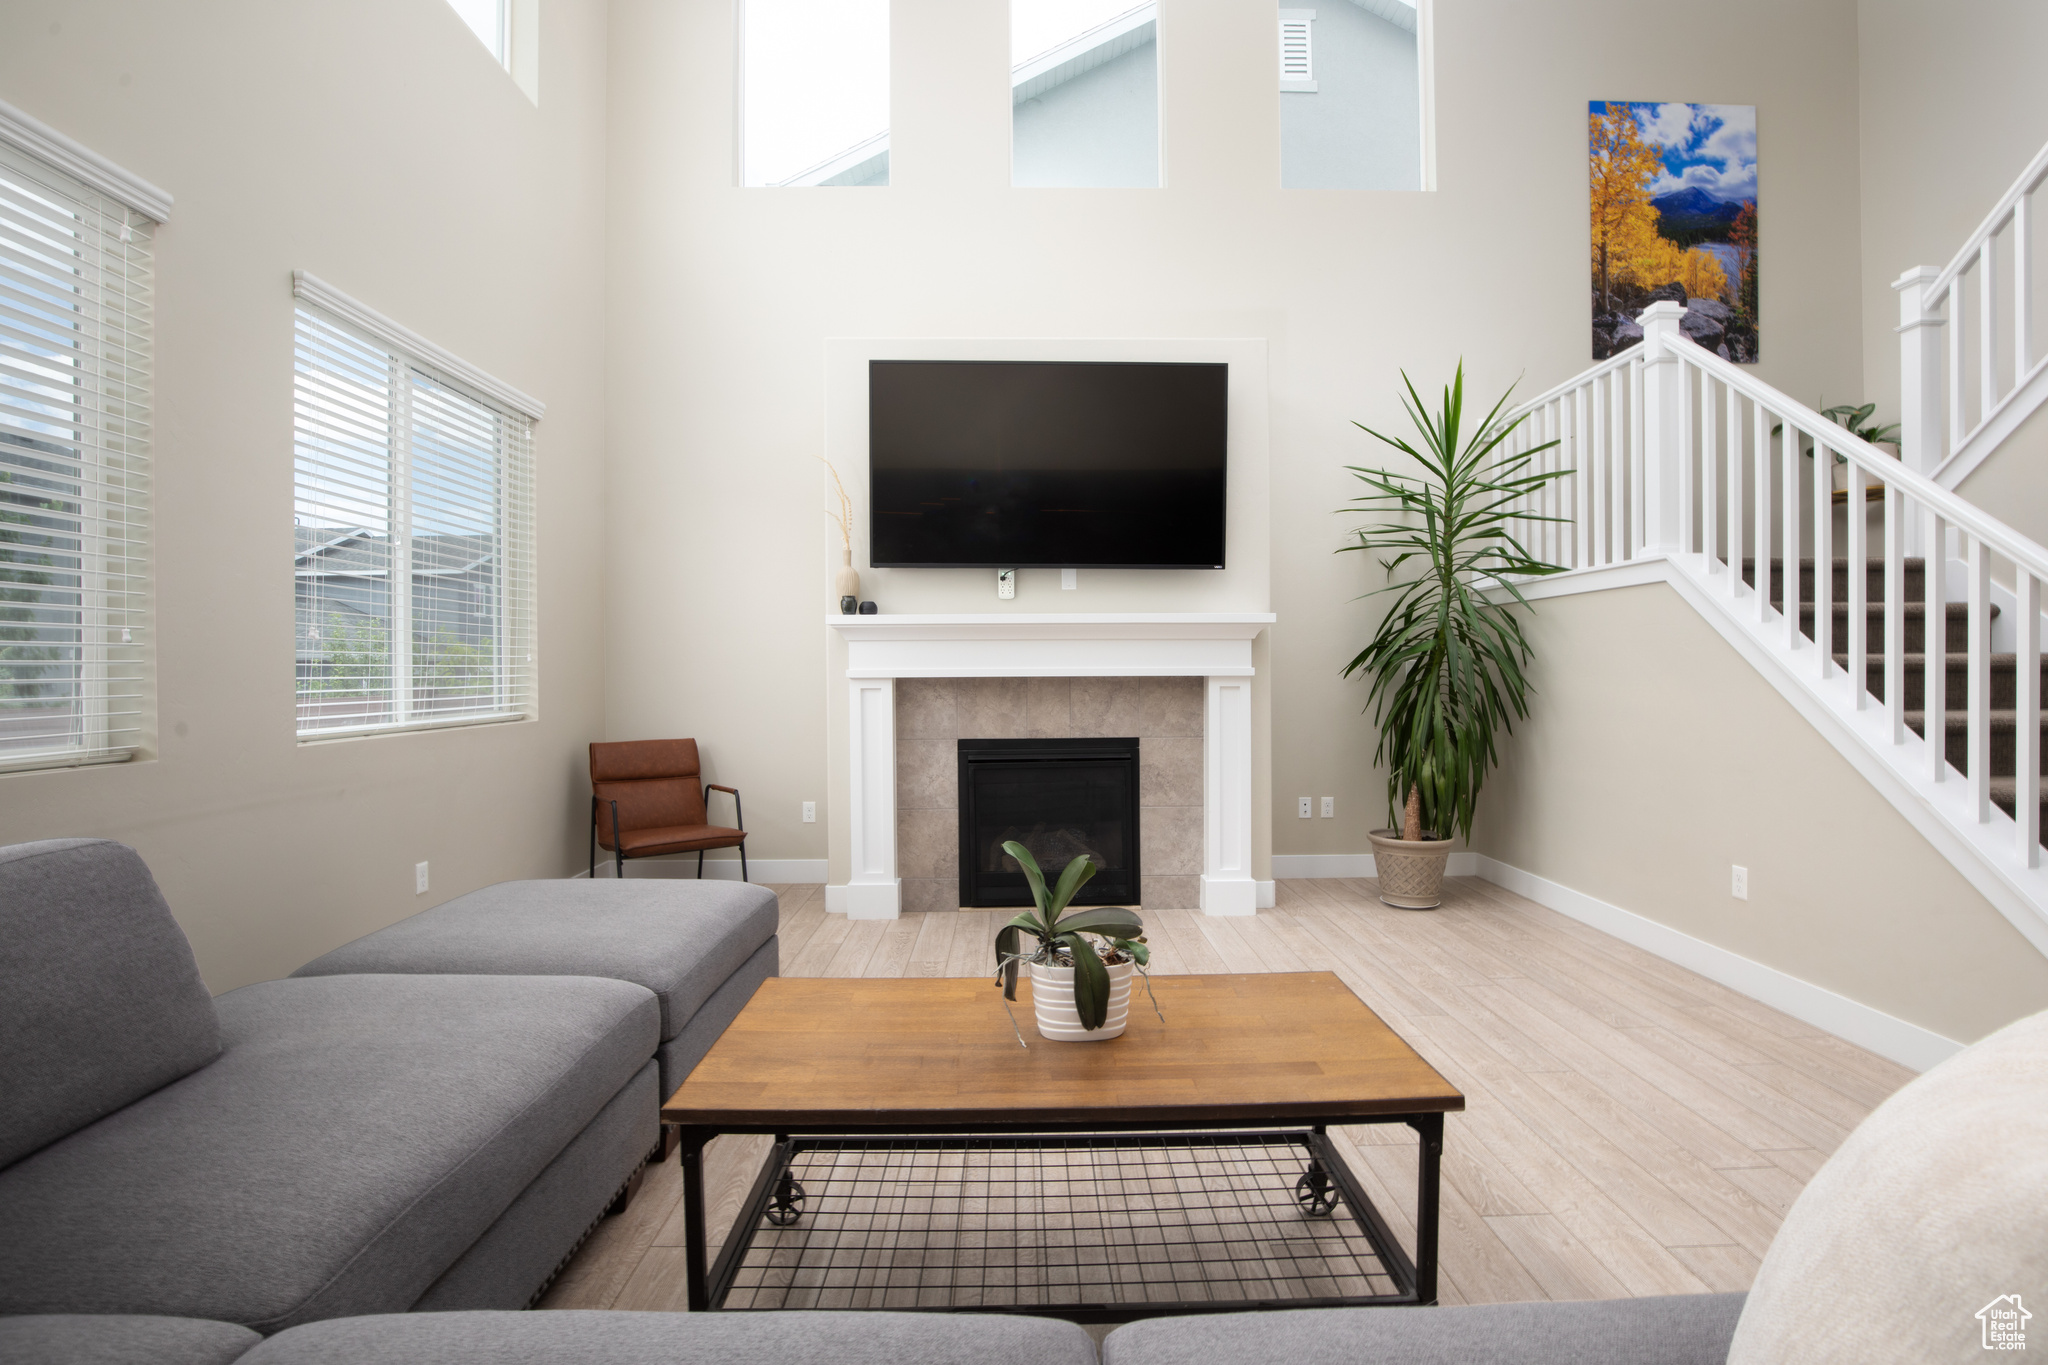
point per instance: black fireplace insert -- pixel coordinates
(1059, 798)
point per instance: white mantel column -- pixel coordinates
(874, 891)
(1227, 885)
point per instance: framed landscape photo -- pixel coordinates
(1673, 191)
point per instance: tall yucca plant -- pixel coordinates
(1445, 665)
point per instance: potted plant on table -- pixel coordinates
(1080, 990)
(1445, 665)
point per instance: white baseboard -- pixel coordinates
(1265, 895)
(1867, 1027)
(1462, 864)
(780, 871)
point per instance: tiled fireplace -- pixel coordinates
(1163, 714)
(1178, 683)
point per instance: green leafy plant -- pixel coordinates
(1856, 419)
(1445, 664)
(1063, 937)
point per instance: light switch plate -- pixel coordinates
(419, 879)
(1739, 886)
(1006, 583)
(1305, 809)
(810, 812)
(1070, 579)
(1329, 808)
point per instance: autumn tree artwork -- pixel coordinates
(1674, 217)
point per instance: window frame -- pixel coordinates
(112, 361)
(407, 355)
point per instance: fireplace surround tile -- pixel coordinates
(1165, 714)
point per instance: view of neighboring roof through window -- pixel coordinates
(1351, 96)
(1084, 94)
(814, 99)
(490, 20)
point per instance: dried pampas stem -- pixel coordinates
(844, 516)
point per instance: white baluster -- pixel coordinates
(1688, 477)
(1617, 465)
(1734, 491)
(1987, 327)
(2026, 747)
(1710, 480)
(1789, 537)
(1823, 558)
(1895, 613)
(1857, 646)
(1979, 704)
(1597, 414)
(2022, 292)
(1761, 436)
(1934, 652)
(1956, 413)
(1635, 455)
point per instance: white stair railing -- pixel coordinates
(1969, 366)
(1678, 455)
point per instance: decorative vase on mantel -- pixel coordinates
(846, 579)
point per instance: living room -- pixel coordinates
(565, 215)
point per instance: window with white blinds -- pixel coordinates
(75, 357)
(413, 537)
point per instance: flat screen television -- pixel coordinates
(1046, 464)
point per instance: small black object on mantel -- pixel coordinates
(847, 605)
(867, 609)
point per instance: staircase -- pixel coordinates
(2002, 718)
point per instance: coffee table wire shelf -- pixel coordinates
(1084, 1225)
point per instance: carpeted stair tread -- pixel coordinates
(2003, 681)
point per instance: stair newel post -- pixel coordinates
(1920, 381)
(1663, 435)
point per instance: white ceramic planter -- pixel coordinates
(1052, 999)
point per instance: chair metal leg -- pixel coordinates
(700, 864)
(593, 838)
(618, 847)
(743, 860)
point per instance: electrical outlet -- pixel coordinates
(1306, 802)
(1070, 579)
(1329, 808)
(810, 812)
(419, 879)
(1006, 583)
(1739, 887)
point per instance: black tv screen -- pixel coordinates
(1046, 464)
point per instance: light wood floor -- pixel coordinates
(1631, 1128)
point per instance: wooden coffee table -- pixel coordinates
(923, 1159)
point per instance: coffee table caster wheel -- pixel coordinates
(788, 1204)
(1316, 1195)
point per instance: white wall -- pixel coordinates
(377, 145)
(1657, 759)
(722, 299)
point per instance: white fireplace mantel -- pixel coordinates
(1214, 646)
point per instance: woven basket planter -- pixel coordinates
(1052, 1000)
(1411, 875)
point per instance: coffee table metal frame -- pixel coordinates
(1415, 1280)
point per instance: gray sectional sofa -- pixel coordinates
(422, 1131)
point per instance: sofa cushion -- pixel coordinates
(100, 1001)
(357, 1134)
(596, 1338)
(120, 1339)
(680, 938)
(1690, 1329)
(1929, 1214)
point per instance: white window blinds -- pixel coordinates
(75, 358)
(1297, 52)
(413, 536)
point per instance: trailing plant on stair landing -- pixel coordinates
(1445, 665)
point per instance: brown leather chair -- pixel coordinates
(647, 798)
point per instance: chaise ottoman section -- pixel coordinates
(356, 1136)
(701, 947)
(109, 1339)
